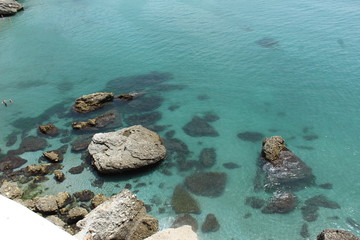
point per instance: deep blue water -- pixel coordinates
(288, 68)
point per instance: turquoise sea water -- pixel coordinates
(305, 84)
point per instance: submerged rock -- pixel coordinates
(183, 202)
(76, 214)
(251, 136)
(208, 157)
(210, 224)
(81, 143)
(11, 162)
(312, 205)
(123, 216)
(282, 202)
(255, 202)
(91, 102)
(283, 169)
(9, 7)
(95, 123)
(231, 165)
(126, 149)
(267, 42)
(36, 170)
(84, 196)
(146, 119)
(30, 144)
(335, 234)
(97, 200)
(210, 184)
(198, 127)
(304, 232)
(186, 219)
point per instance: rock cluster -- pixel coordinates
(94, 123)
(126, 149)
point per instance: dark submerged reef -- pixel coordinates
(267, 42)
(251, 136)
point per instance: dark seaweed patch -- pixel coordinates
(210, 117)
(146, 119)
(304, 232)
(267, 42)
(131, 83)
(251, 136)
(31, 83)
(231, 165)
(254, 202)
(310, 137)
(173, 107)
(198, 127)
(203, 97)
(143, 104)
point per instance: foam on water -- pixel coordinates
(300, 83)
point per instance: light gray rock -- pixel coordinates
(10, 190)
(183, 233)
(122, 217)
(9, 7)
(56, 220)
(46, 204)
(335, 234)
(126, 149)
(91, 102)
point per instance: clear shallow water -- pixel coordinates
(54, 52)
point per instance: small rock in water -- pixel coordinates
(336, 234)
(210, 224)
(84, 196)
(322, 201)
(251, 136)
(247, 215)
(91, 102)
(49, 129)
(76, 170)
(59, 175)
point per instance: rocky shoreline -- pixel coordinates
(109, 147)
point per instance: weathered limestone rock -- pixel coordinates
(35, 170)
(9, 7)
(49, 129)
(54, 156)
(183, 202)
(98, 199)
(210, 184)
(184, 233)
(76, 214)
(282, 202)
(63, 199)
(91, 102)
(283, 169)
(126, 149)
(10, 190)
(210, 224)
(46, 204)
(335, 234)
(56, 220)
(123, 216)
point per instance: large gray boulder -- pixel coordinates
(91, 102)
(9, 7)
(335, 234)
(126, 149)
(122, 217)
(283, 169)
